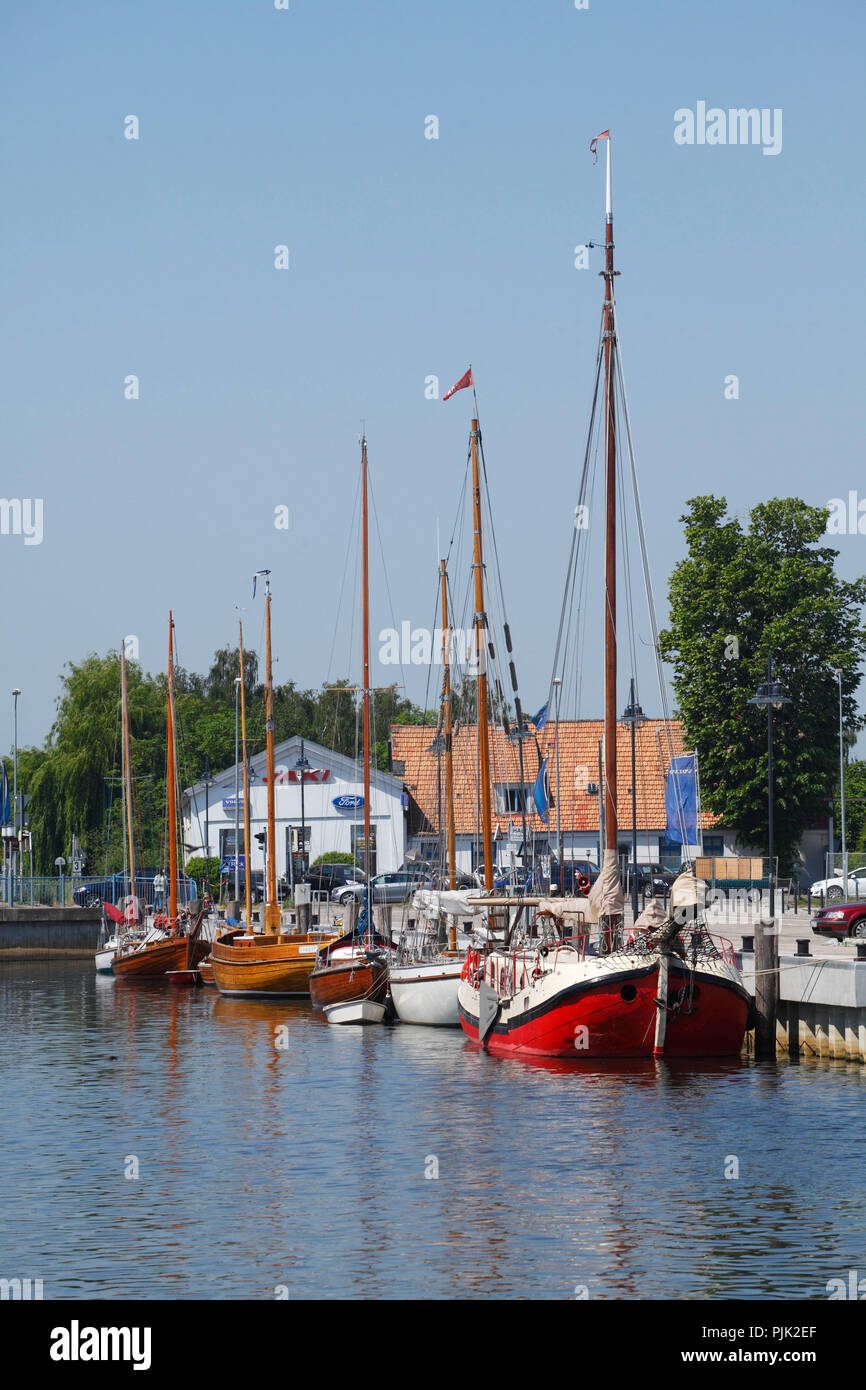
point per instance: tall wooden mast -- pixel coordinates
(247, 885)
(171, 780)
(127, 769)
(611, 828)
(272, 911)
(446, 700)
(481, 653)
(365, 585)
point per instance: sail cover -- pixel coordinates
(606, 896)
(432, 905)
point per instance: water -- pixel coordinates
(305, 1167)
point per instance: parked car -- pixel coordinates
(396, 887)
(841, 920)
(834, 888)
(109, 890)
(651, 878)
(566, 876)
(325, 877)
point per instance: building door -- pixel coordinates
(358, 849)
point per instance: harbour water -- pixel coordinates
(277, 1156)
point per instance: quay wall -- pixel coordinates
(36, 933)
(822, 1006)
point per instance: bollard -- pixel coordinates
(803, 947)
(749, 944)
(766, 988)
(861, 950)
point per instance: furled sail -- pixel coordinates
(606, 896)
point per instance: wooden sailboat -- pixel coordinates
(666, 991)
(424, 983)
(270, 963)
(353, 972)
(110, 937)
(173, 943)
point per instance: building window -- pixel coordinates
(514, 797)
(227, 843)
(714, 845)
(358, 854)
(298, 855)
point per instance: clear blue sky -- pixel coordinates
(408, 257)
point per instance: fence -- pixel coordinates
(68, 891)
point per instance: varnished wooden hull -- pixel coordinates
(348, 980)
(205, 971)
(158, 957)
(266, 967)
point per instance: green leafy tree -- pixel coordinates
(740, 595)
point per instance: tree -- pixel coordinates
(740, 596)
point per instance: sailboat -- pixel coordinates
(172, 943)
(244, 962)
(425, 981)
(670, 989)
(350, 981)
(112, 924)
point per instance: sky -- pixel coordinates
(409, 257)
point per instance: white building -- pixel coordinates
(331, 818)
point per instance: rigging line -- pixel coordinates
(343, 580)
(575, 537)
(385, 570)
(626, 565)
(649, 591)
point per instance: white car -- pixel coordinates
(834, 888)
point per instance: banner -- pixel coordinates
(681, 801)
(541, 793)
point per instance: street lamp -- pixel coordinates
(838, 674)
(771, 695)
(438, 747)
(557, 686)
(633, 716)
(208, 783)
(15, 693)
(302, 766)
(517, 735)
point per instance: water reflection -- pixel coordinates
(308, 1163)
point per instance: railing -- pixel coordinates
(66, 891)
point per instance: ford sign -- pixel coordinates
(348, 803)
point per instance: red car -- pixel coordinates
(841, 919)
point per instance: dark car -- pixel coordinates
(841, 920)
(116, 886)
(567, 875)
(257, 887)
(651, 878)
(325, 877)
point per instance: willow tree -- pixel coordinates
(741, 595)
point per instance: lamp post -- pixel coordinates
(633, 716)
(237, 795)
(557, 686)
(208, 783)
(15, 693)
(771, 696)
(302, 766)
(517, 735)
(838, 674)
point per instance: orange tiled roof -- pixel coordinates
(578, 765)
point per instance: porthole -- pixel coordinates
(628, 993)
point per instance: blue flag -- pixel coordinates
(540, 719)
(681, 801)
(5, 813)
(540, 794)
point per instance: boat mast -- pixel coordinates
(481, 653)
(171, 780)
(127, 769)
(272, 911)
(610, 789)
(247, 888)
(365, 622)
(446, 700)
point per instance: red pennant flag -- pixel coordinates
(605, 135)
(460, 385)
